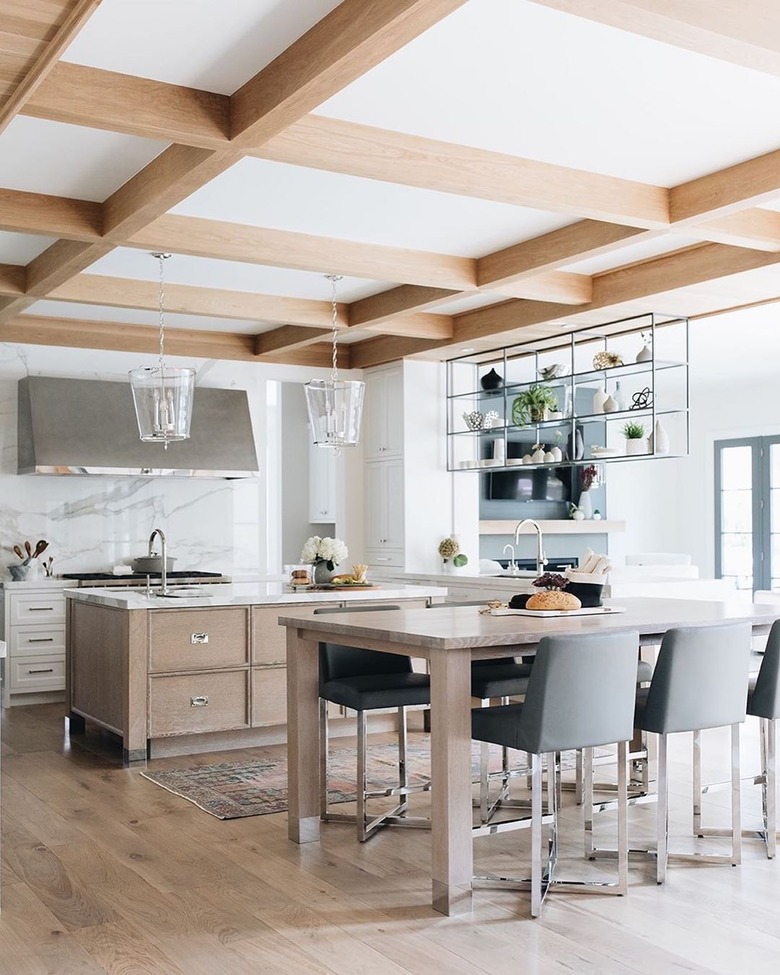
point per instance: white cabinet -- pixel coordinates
(33, 626)
(383, 425)
(385, 513)
(322, 484)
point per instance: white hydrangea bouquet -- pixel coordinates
(329, 551)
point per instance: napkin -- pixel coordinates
(593, 568)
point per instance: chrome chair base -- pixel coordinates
(397, 816)
(542, 874)
(767, 779)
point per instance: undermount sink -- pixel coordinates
(521, 574)
(183, 592)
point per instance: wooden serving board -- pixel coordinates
(334, 586)
(584, 611)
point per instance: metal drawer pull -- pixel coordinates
(199, 638)
(199, 702)
(40, 609)
(41, 639)
(49, 670)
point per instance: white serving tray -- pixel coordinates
(585, 611)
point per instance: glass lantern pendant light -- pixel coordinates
(335, 406)
(163, 396)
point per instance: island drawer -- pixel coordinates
(269, 640)
(36, 673)
(193, 703)
(198, 639)
(34, 640)
(36, 608)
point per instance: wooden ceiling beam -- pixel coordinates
(287, 337)
(388, 348)
(52, 216)
(726, 191)
(730, 32)
(73, 21)
(421, 325)
(13, 279)
(396, 157)
(353, 38)
(79, 95)
(281, 248)
(99, 289)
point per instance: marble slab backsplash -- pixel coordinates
(95, 522)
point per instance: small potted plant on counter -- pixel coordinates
(636, 441)
(449, 550)
(324, 554)
(533, 405)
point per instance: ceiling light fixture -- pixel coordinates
(163, 397)
(335, 407)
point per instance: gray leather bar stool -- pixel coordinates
(493, 680)
(764, 703)
(367, 680)
(700, 681)
(580, 694)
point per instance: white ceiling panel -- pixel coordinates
(70, 160)
(216, 46)
(181, 269)
(632, 253)
(133, 316)
(311, 201)
(529, 81)
(467, 303)
(21, 248)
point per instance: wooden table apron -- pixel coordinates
(449, 639)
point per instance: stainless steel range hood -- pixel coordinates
(76, 426)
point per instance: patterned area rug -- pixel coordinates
(231, 790)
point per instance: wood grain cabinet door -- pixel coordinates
(194, 703)
(198, 639)
(269, 696)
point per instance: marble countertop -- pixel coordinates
(244, 594)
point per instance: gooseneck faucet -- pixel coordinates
(163, 559)
(541, 559)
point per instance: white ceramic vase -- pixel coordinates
(585, 505)
(599, 398)
(660, 439)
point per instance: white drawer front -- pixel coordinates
(39, 609)
(24, 641)
(37, 673)
(385, 556)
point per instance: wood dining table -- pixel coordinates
(449, 638)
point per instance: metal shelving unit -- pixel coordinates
(663, 376)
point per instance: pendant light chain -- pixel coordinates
(162, 258)
(334, 279)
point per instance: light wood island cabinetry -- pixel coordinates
(176, 676)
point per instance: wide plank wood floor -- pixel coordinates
(105, 872)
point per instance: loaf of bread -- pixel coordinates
(553, 599)
(342, 578)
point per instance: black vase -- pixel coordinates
(492, 380)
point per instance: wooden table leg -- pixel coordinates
(303, 736)
(451, 778)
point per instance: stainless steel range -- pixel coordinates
(183, 578)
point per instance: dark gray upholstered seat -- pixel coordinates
(700, 681)
(764, 702)
(499, 678)
(580, 694)
(367, 680)
(644, 672)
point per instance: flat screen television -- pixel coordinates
(528, 483)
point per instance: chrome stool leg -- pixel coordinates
(361, 777)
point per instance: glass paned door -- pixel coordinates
(747, 512)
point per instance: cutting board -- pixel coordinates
(344, 587)
(585, 611)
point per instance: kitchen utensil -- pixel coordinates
(40, 548)
(19, 552)
(28, 549)
(152, 563)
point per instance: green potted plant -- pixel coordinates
(533, 404)
(636, 442)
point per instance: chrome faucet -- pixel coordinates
(163, 590)
(541, 558)
(512, 564)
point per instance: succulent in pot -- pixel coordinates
(636, 441)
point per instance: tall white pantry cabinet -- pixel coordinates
(408, 492)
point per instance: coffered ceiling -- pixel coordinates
(479, 171)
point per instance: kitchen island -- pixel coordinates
(199, 671)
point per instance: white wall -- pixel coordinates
(95, 522)
(669, 504)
